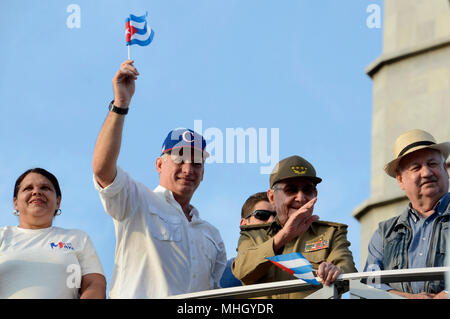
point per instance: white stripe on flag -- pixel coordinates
(308, 275)
(141, 37)
(294, 263)
(138, 25)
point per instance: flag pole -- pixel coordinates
(129, 57)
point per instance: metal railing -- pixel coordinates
(353, 283)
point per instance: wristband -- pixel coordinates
(118, 110)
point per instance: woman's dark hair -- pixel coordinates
(44, 173)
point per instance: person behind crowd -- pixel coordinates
(39, 260)
(293, 194)
(163, 247)
(417, 237)
(256, 210)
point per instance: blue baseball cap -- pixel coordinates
(184, 137)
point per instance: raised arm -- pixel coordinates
(107, 148)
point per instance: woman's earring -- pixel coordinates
(58, 212)
(16, 213)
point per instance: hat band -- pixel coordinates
(410, 146)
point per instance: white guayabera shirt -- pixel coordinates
(158, 251)
(45, 263)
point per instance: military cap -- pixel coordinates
(293, 167)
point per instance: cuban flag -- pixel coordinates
(137, 30)
(296, 265)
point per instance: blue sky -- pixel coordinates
(292, 65)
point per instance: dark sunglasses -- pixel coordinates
(262, 214)
(293, 189)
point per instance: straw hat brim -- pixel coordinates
(391, 167)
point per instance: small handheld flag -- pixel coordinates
(137, 31)
(296, 265)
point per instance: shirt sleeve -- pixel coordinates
(88, 258)
(340, 255)
(251, 263)
(219, 265)
(119, 199)
(374, 260)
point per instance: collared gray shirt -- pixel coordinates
(422, 231)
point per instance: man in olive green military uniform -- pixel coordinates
(293, 194)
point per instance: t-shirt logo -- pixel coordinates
(61, 245)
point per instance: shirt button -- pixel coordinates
(420, 254)
(424, 238)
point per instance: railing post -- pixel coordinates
(359, 290)
(326, 292)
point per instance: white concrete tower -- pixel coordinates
(411, 89)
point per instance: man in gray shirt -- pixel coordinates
(416, 238)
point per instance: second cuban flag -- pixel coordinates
(137, 30)
(296, 265)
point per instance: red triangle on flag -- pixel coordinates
(129, 31)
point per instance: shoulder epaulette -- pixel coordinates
(255, 226)
(327, 223)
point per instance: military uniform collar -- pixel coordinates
(275, 227)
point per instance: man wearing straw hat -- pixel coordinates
(416, 238)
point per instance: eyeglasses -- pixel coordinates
(196, 159)
(293, 189)
(262, 214)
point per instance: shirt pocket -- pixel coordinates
(395, 251)
(165, 228)
(316, 257)
(441, 247)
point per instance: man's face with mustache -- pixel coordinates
(423, 173)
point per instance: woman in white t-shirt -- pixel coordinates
(38, 260)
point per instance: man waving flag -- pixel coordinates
(137, 31)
